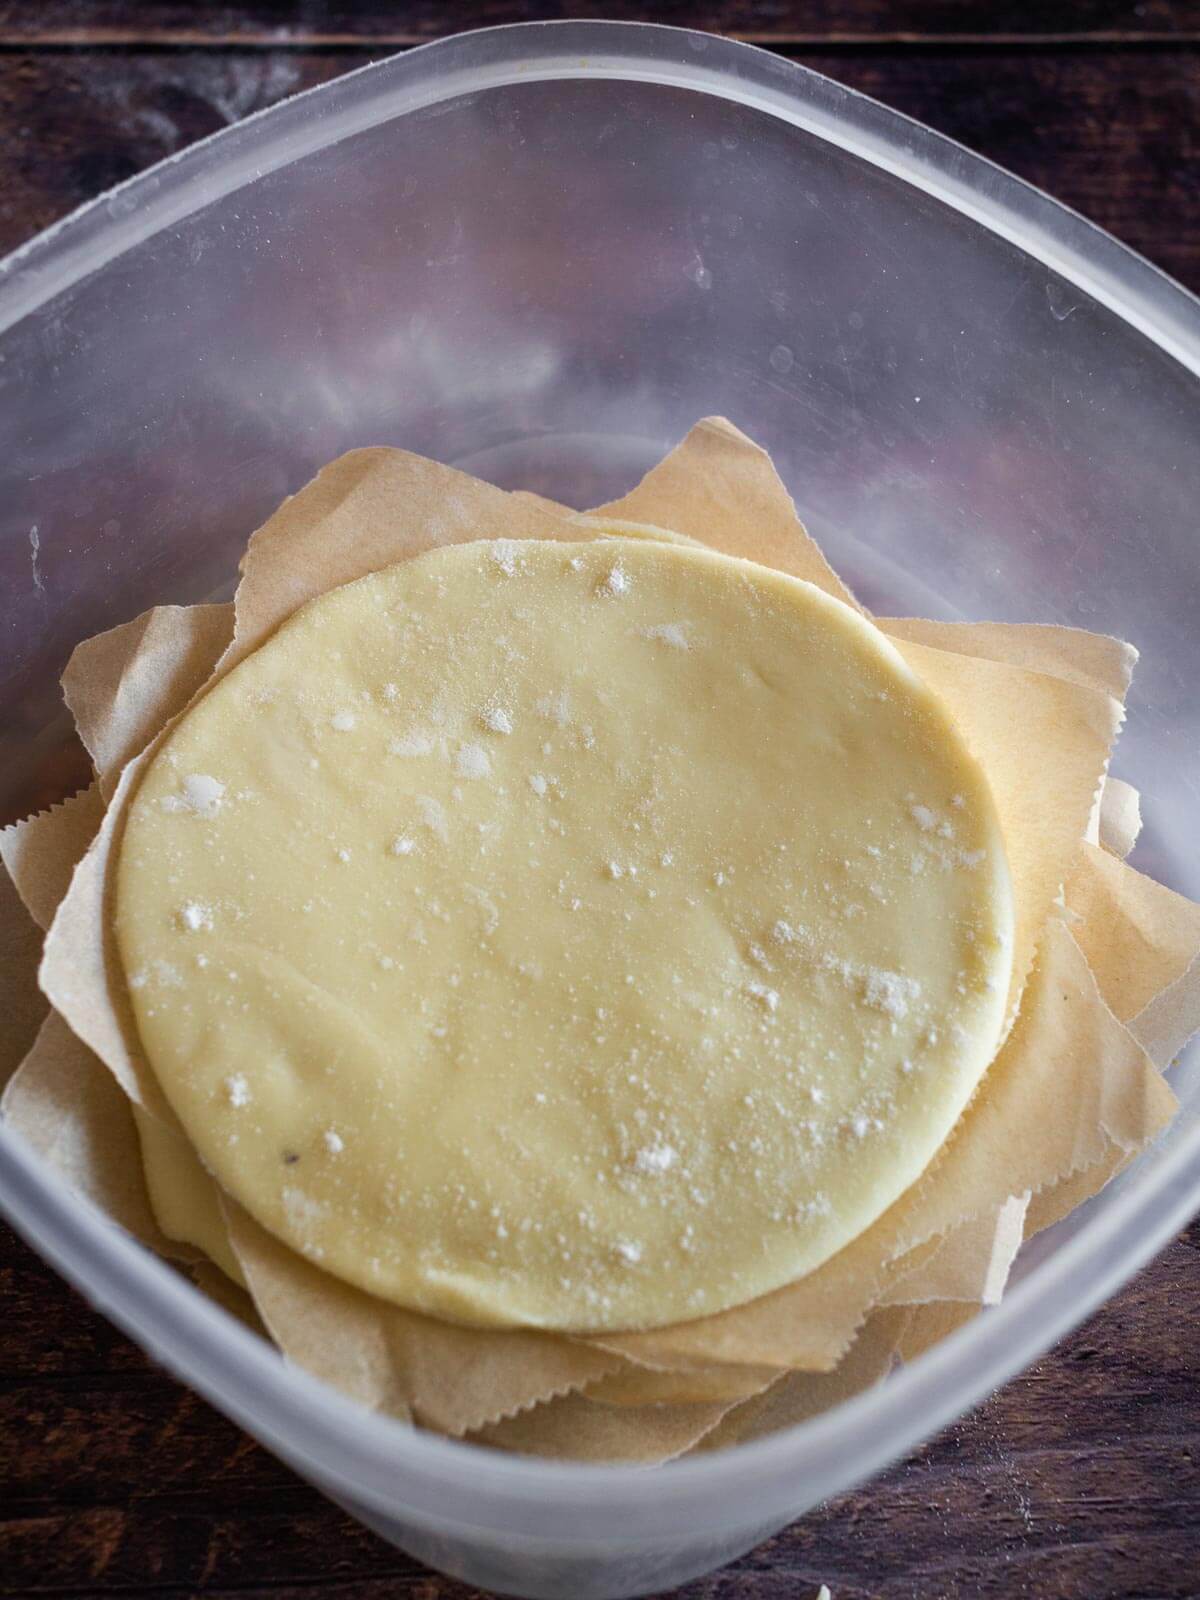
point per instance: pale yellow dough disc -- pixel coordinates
(584, 936)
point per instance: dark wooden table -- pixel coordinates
(1080, 1480)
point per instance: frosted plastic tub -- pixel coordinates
(541, 253)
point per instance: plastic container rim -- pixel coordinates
(374, 1461)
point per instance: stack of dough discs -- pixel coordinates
(582, 936)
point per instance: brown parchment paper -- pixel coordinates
(1090, 660)
(40, 852)
(968, 1263)
(1165, 1025)
(453, 1379)
(61, 1097)
(719, 487)
(81, 970)
(930, 1324)
(24, 1004)
(796, 1396)
(1050, 1205)
(123, 685)
(375, 507)
(70, 1108)
(642, 1386)
(575, 1428)
(1138, 937)
(1119, 819)
(212, 1282)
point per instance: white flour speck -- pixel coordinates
(195, 916)
(403, 845)
(237, 1090)
(924, 818)
(614, 869)
(537, 783)
(342, 854)
(200, 794)
(472, 761)
(343, 721)
(767, 997)
(654, 1158)
(629, 1250)
(487, 905)
(616, 582)
(433, 816)
(415, 743)
(302, 1212)
(496, 719)
(503, 554)
(555, 707)
(334, 1142)
(890, 992)
(670, 633)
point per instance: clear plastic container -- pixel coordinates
(541, 253)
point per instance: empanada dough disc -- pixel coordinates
(586, 936)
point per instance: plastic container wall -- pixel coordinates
(541, 253)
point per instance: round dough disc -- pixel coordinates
(584, 936)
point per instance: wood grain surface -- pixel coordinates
(1080, 1480)
(780, 24)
